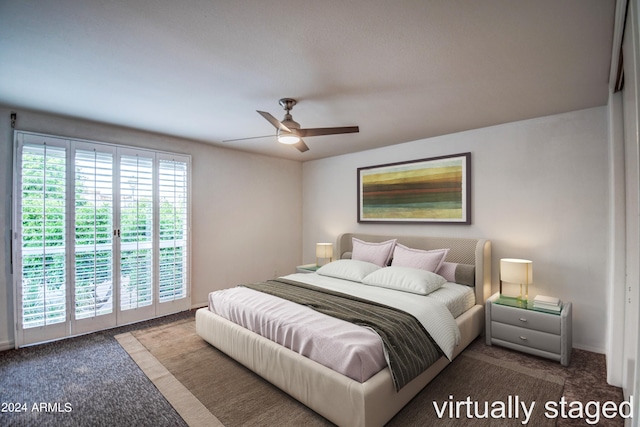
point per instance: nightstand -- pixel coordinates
(307, 268)
(517, 326)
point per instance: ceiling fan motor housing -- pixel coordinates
(287, 104)
(290, 123)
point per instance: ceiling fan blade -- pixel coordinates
(301, 146)
(251, 137)
(275, 122)
(328, 131)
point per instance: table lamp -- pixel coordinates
(516, 272)
(324, 251)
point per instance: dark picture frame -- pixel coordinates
(432, 190)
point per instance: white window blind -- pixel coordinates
(101, 235)
(93, 233)
(172, 180)
(136, 231)
(43, 229)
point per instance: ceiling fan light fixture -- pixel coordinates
(289, 132)
(288, 138)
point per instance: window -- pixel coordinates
(43, 215)
(93, 233)
(102, 235)
(173, 229)
(136, 231)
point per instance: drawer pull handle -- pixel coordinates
(523, 338)
(522, 319)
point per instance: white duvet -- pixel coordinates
(434, 315)
(349, 349)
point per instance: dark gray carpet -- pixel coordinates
(104, 386)
(83, 381)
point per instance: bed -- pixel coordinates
(343, 400)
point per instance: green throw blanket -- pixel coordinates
(408, 347)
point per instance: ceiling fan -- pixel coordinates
(288, 131)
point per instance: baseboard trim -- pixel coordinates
(589, 349)
(7, 345)
(198, 305)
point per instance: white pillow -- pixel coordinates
(376, 253)
(405, 279)
(416, 258)
(348, 269)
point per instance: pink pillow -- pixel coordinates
(376, 253)
(416, 258)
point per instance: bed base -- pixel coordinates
(339, 399)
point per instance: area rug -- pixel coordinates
(206, 387)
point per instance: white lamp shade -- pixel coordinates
(516, 271)
(324, 250)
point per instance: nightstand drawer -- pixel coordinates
(528, 319)
(526, 337)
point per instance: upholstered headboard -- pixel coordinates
(476, 252)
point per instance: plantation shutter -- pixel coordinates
(101, 236)
(94, 288)
(173, 260)
(136, 231)
(43, 231)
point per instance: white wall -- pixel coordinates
(632, 224)
(539, 191)
(539, 187)
(246, 208)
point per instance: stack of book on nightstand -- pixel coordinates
(547, 303)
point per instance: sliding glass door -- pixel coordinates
(93, 248)
(136, 235)
(42, 265)
(173, 211)
(101, 236)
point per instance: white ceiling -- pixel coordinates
(402, 70)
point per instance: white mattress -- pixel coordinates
(458, 298)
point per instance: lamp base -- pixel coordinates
(510, 290)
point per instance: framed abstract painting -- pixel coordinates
(434, 190)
